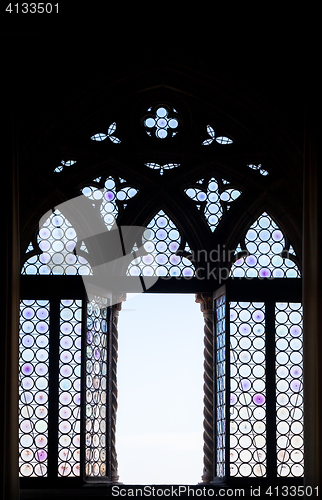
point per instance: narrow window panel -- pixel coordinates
(248, 390)
(96, 388)
(220, 389)
(69, 395)
(34, 389)
(289, 389)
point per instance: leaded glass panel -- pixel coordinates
(248, 389)
(289, 389)
(57, 241)
(220, 360)
(161, 242)
(69, 405)
(96, 387)
(34, 387)
(265, 243)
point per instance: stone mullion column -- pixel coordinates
(10, 280)
(206, 307)
(116, 308)
(312, 300)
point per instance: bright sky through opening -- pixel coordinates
(159, 429)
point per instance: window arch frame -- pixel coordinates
(202, 287)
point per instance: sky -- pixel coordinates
(159, 428)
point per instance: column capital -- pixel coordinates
(206, 302)
(117, 302)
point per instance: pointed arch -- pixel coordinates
(264, 252)
(162, 244)
(57, 242)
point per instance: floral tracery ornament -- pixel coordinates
(109, 198)
(212, 200)
(222, 139)
(64, 163)
(110, 134)
(162, 122)
(162, 168)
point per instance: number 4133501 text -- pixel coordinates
(32, 8)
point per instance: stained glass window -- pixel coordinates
(212, 200)
(265, 243)
(96, 387)
(61, 253)
(73, 382)
(161, 242)
(289, 389)
(49, 384)
(250, 371)
(69, 406)
(57, 241)
(248, 390)
(220, 347)
(34, 387)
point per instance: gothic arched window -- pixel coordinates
(209, 228)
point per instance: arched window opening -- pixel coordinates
(160, 400)
(253, 388)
